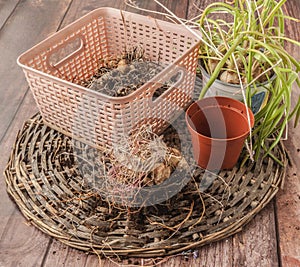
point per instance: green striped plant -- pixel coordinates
(244, 43)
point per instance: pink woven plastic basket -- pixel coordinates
(53, 66)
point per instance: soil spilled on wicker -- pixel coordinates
(121, 75)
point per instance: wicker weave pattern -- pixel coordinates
(42, 179)
(54, 68)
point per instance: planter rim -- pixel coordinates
(187, 117)
(238, 86)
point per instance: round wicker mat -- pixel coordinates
(53, 197)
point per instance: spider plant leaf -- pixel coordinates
(274, 11)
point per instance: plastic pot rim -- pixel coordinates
(188, 118)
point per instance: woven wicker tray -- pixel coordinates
(54, 198)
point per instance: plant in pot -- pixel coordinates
(244, 50)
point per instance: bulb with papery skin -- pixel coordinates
(229, 77)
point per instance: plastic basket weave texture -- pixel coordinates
(54, 67)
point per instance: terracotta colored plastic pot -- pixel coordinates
(218, 127)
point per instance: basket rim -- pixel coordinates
(87, 17)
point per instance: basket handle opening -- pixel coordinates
(65, 52)
(169, 84)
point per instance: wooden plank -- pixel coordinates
(256, 245)
(196, 6)
(6, 8)
(20, 244)
(7, 207)
(30, 23)
(79, 8)
(288, 207)
(63, 255)
(288, 200)
(20, 33)
(215, 254)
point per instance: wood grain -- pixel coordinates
(62, 255)
(30, 23)
(22, 245)
(257, 244)
(80, 8)
(7, 207)
(288, 200)
(6, 8)
(288, 206)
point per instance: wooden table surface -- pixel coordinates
(270, 239)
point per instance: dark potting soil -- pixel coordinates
(122, 75)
